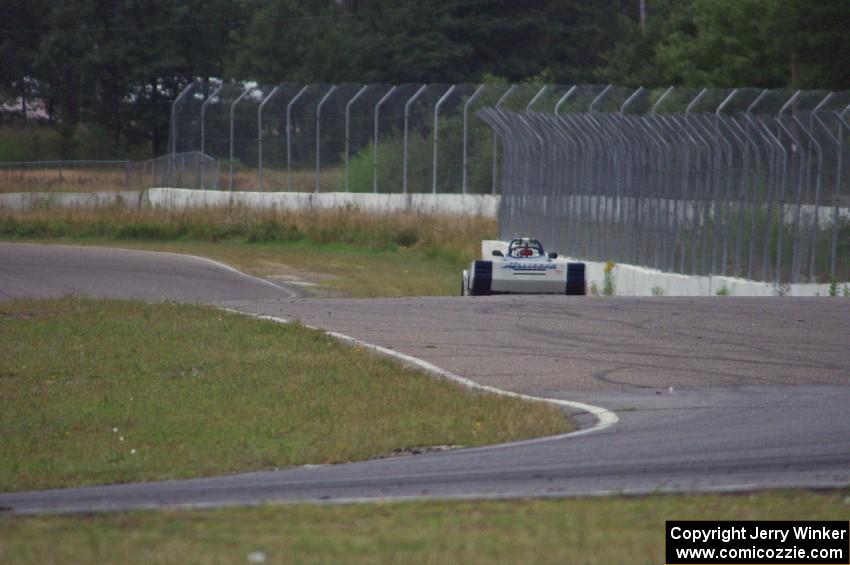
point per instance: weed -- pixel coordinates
(724, 291)
(783, 289)
(609, 288)
(406, 237)
(833, 287)
(657, 291)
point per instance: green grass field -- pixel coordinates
(114, 391)
(600, 531)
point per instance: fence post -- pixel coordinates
(661, 99)
(260, 135)
(318, 136)
(536, 98)
(754, 211)
(348, 128)
(498, 106)
(818, 178)
(289, 136)
(834, 244)
(599, 97)
(177, 100)
(564, 98)
(375, 146)
(437, 134)
(203, 131)
(465, 163)
(629, 100)
(842, 123)
(404, 142)
(697, 201)
(718, 121)
(232, 109)
(795, 141)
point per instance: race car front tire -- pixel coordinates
(576, 281)
(482, 277)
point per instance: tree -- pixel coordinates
(20, 36)
(814, 42)
(733, 43)
(115, 65)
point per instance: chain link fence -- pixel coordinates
(407, 138)
(742, 182)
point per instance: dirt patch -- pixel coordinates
(17, 315)
(314, 284)
(419, 450)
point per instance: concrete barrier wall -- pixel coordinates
(26, 200)
(455, 204)
(630, 280)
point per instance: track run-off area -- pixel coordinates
(710, 394)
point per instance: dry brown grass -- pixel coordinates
(89, 179)
(115, 177)
(277, 180)
(438, 233)
(63, 180)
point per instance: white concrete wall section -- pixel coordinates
(631, 280)
(26, 200)
(455, 204)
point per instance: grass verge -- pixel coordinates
(115, 391)
(590, 531)
(345, 251)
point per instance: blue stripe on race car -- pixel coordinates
(529, 274)
(530, 266)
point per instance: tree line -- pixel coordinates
(115, 66)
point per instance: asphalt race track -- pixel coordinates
(716, 393)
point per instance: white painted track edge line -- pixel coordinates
(292, 293)
(604, 418)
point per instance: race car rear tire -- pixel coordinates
(576, 281)
(482, 278)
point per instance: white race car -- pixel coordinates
(521, 266)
